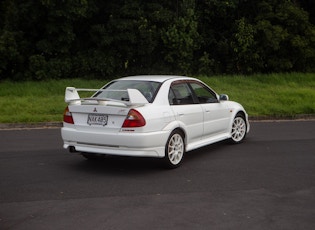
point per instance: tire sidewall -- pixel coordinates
(243, 118)
(166, 159)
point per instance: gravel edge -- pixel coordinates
(52, 125)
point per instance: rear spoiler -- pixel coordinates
(135, 97)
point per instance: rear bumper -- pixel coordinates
(124, 144)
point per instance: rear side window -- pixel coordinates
(180, 94)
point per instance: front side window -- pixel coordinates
(190, 92)
(203, 93)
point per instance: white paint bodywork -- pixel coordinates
(202, 124)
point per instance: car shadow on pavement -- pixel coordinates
(117, 164)
(140, 165)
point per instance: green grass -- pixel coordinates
(37, 101)
(278, 95)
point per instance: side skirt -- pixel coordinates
(207, 141)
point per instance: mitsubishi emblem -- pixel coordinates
(95, 111)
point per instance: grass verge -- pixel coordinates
(280, 95)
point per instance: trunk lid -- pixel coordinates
(103, 114)
(98, 117)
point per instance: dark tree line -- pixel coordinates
(103, 39)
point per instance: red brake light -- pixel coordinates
(134, 119)
(67, 116)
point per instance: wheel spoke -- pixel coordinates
(238, 129)
(175, 149)
(172, 157)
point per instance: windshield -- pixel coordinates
(117, 89)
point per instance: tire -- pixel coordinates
(239, 128)
(174, 150)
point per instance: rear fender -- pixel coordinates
(176, 125)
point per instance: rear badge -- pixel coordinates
(95, 110)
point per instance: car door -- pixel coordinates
(215, 113)
(187, 111)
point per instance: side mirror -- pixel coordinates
(224, 97)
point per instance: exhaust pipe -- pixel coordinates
(72, 149)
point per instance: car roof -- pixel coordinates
(157, 78)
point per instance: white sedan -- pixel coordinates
(150, 116)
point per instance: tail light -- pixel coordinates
(134, 119)
(67, 116)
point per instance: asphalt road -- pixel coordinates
(267, 182)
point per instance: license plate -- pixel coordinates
(97, 119)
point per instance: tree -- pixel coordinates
(11, 56)
(180, 38)
(216, 18)
(285, 37)
(247, 60)
(308, 6)
(104, 39)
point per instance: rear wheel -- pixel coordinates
(174, 149)
(239, 128)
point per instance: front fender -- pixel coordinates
(242, 111)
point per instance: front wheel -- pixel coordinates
(239, 128)
(174, 150)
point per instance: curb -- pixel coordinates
(296, 117)
(39, 125)
(55, 125)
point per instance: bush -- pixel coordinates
(102, 39)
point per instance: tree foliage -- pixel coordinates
(48, 39)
